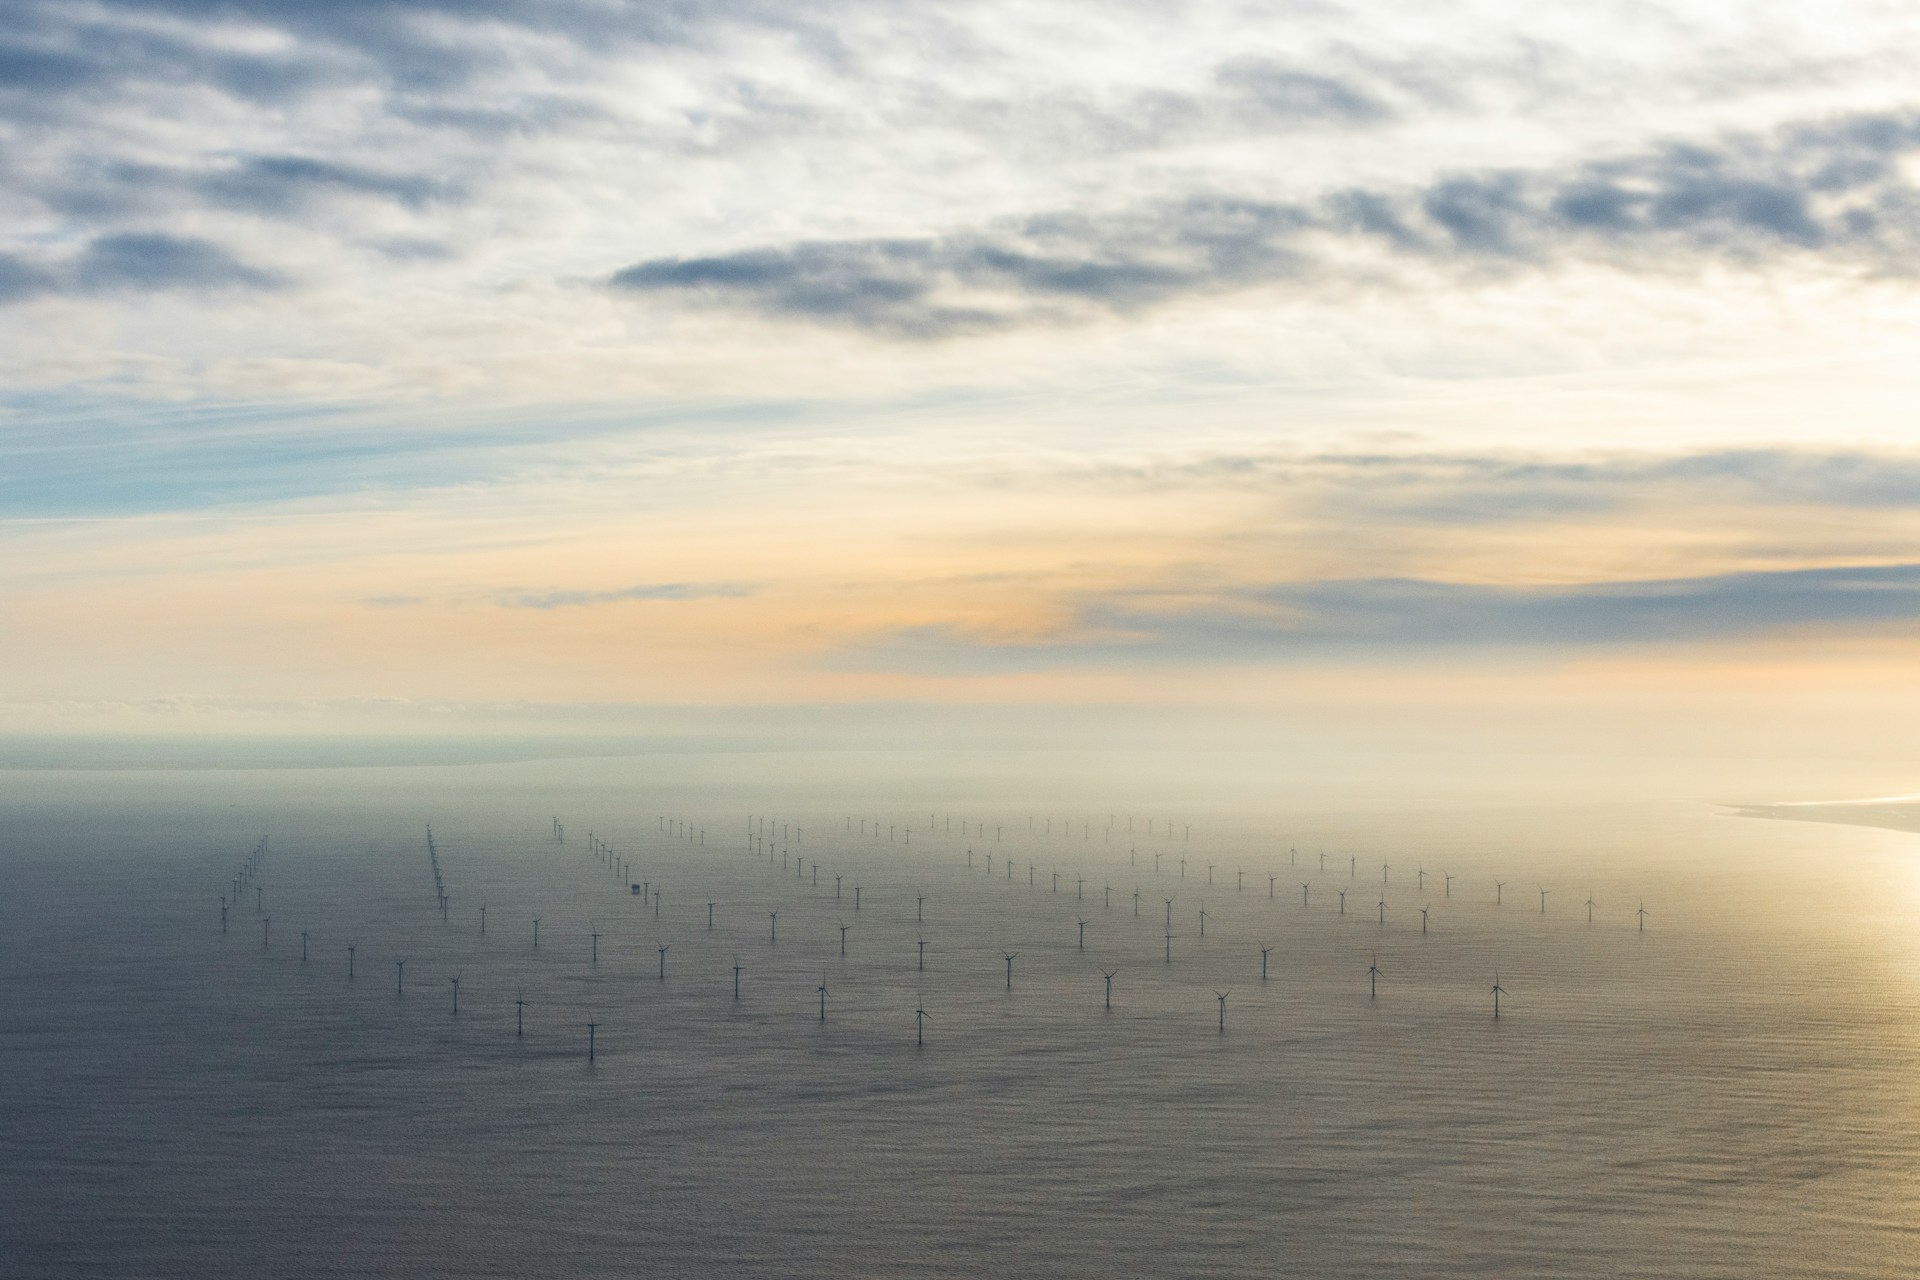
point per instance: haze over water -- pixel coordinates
(1729, 1093)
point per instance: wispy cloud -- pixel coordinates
(519, 598)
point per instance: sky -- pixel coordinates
(390, 365)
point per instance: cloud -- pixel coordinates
(283, 187)
(519, 598)
(1273, 92)
(1473, 489)
(134, 263)
(1412, 612)
(137, 263)
(1834, 188)
(285, 184)
(1397, 617)
(1036, 268)
(20, 278)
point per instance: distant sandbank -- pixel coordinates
(1897, 813)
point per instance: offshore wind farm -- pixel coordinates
(977, 1081)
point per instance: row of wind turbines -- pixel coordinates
(761, 838)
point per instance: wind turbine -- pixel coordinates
(663, 948)
(1590, 905)
(1108, 975)
(823, 992)
(1499, 887)
(1083, 935)
(920, 1016)
(1221, 996)
(1543, 900)
(1643, 913)
(1498, 991)
(1373, 978)
(1264, 953)
(1011, 957)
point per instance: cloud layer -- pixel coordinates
(602, 349)
(1837, 190)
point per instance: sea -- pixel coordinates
(1074, 1076)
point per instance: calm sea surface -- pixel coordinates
(1734, 1092)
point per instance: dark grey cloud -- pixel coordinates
(22, 279)
(524, 599)
(287, 187)
(288, 184)
(1832, 188)
(54, 62)
(1041, 266)
(150, 263)
(1398, 617)
(390, 44)
(29, 69)
(133, 263)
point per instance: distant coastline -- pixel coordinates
(1895, 813)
